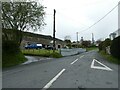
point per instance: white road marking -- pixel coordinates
(74, 61)
(98, 67)
(53, 80)
(77, 60)
(81, 56)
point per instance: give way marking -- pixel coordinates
(100, 67)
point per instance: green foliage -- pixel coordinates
(86, 43)
(110, 58)
(69, 45)
(115, 47)
(77, 46)
(42, 52)
(56, 55)
(101, 46)
(11, 54)
(11, 35)
(91, 48)
(107, 42)
(104, 44)
(12, 59)
(68, 41)
(21, 15)
(10, 47)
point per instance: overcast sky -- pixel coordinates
(77, 15)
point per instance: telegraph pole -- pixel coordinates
(77, 39)
(54, 30)
(92, 38)
(77, 36)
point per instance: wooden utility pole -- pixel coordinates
(77, 36)
(92, 38)
(54, 31)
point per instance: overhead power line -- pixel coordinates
(71, 19)
(101, 18)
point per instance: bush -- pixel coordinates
(104, 44)
(12, 59)
(10, 47)
(11, 54)
(115, 47)
(100, 46)
(56, 55)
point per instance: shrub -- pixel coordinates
(10, 47)
(56, 55)
(115, 47)
(107, 42)
(104, 44)
(12, 59)
(100, 46)
(11, 54)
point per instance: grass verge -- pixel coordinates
(12, 59)
(110, 58)
(42, 52)
(91, 48)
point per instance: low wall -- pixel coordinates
(69, 52)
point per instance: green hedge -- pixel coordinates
(100, 46)
(104, 44)
(115, 47)
(12, 59)
(10, 47)
(11, 54)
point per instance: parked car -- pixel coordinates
(49, 48)
(33, 46)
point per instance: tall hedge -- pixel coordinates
(100, 46)
(11, 53)
(104, 44)
(10, 47)
(115, 47)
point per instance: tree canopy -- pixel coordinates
(21, 15)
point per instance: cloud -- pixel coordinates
(76, 15)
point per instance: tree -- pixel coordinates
(100, 46)
(68, 41)
(21, 16)
(107, 42)
(86, 43)
(114, 49)
(67, 37)
(104, 44)
(98, 41)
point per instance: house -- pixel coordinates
(30, 38)
(114, 34)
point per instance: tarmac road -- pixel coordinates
(86, 70)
